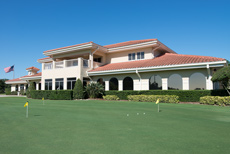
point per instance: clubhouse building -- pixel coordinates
(132, 65)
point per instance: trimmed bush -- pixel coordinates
(184, 95)
(215, 100)
(7, 91)
(78, 91)
(110, 97)
(153, 98)
(52, 94)
(30, 88)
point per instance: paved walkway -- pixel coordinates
(11, 96)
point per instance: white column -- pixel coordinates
(53, 83)
(120, 85)
(64, 63)
(164, 83)
(13, 88)
(144, 84)
(37, 85)
(91, 60)
(79, 71)
(136, 84)
(24, 87)
(106, 85)
(65, 83)
(209, 83)
(53, 64)
(43, 84)
(185, 81)
(19, 87)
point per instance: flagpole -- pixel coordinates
(13, 73)
(27, 111)
(158, 108)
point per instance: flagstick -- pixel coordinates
(27, 111)
(43, 101)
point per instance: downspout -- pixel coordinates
(89, 76)
(138, 74)
(92, 56)
(159, 45)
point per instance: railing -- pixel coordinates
(71, 63)
(48, 66)
(59, 64)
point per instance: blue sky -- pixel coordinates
(27, 28)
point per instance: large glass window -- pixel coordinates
(131, 56)
(71, 83)
(21, 86)
(59, 84)
(113, 84)
(197, 81)
(48, 84)
(155, 83)
(140, 55)
(175, 82)
(128, 83)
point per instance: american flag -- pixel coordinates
(9, 69)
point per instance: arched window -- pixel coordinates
(100, 80)
(175, 82)
(113, 84)
(155, 83)
(197, 81)
(128, 83)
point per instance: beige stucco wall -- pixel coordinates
(143, 83)
(122, 56)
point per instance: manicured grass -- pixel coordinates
(102, 127)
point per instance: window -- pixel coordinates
(140, 55)
(48, 84)
(197, 81)
(97, 60)
(85, 63)
(71, 83)
(21, 86)
(155, 83)
(175, 82)
(128, 83)
(59, 84)
(113, 84)
(132, 56)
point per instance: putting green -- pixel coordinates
(104, 127)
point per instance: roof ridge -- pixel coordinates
(194, 56)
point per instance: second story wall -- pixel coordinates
(123, 56)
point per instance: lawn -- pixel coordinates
(103, 127)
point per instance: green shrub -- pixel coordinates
(215, 100)
(14, 93)
(78, 91)
(8, 91)
(153, 98)
(110, 97)
(184, 95)
(52, 94)
(94, 90)
(30, 88)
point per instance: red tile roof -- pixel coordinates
(68, 46)
(128, 43)
(19, 79)
(44, 58)
(164, 60)
(33, 68)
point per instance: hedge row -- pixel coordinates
(110, 97)
(184, 95)
(52, 94)
(215, 100)
(154, 98)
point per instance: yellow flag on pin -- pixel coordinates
(43, 98)
(157, 101)
(26, 104)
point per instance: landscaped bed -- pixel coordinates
(112, 127)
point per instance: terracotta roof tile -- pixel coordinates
(164, 60)
(68, 46)
(128, 43)
(33, 68)
(17, 79)
(44, 58)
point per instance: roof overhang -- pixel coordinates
(161, 68)
(16, 82)
(44, 60)
(32, 78)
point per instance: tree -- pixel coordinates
(30, 88)
(3, 85)
(78, 91)
(222, 75)
(94, 90)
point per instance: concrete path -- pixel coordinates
(11, 96)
